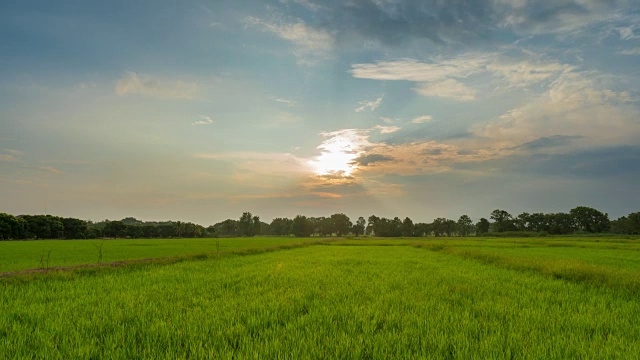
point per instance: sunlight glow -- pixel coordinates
(339, 152)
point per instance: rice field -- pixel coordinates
(393, 298)
(23, 255)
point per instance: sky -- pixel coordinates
(200, 110)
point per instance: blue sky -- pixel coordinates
(200, 110)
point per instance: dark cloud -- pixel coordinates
(547, 142)
(395, 22)
(620, 161)
(366, 160)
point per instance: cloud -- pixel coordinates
(371, 105)
(629, 32)
(338, 151)
(634, 51)
(134, 84)
(285, 101)
(554, 17)
(49, 169)
(414, 70)
(395, 23)
(575, 104)
(515, 71)
(306, 3)
(422, 119)
(386, 129)
(449, 88)
(311, 44)
(366, 160)
(10, 155)
(523, 73)
(547, 142)
(388, 120)
(205, 120)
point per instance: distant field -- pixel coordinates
(21, 255)
(349, 299)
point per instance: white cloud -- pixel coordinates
(371, 105)
(386, 129)
(449, 88)
(151, 86)
(285, 101)
(10, 155)
(205, 120)
(634, 51)
(388, 120)
(311, 44)
(422, 119)
(523, 73)
(574, 105)
(414, 70)
(306, 3)
(629, 32)
(49, 169)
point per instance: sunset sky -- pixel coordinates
(200, 110)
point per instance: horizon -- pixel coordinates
(199, 110)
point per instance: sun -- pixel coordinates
(339, 153)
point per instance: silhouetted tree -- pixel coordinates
(482, 227)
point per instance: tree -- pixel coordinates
(482, 227)
(633, 223)
(247, 224)
(373, 220)
(281, 226)
(465, 225)
(227, 228)
(502, 221)
(341, 224)
(407, 227)
(114, 229)
(440, 226)
(359, 226)
(522, 222)
(559, 223)
(74, 228)
(590, 220)
(301, 227)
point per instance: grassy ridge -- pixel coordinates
(22, 255)
(315, 302)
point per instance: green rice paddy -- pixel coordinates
(483, 298)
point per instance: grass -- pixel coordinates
(317, 302)
(22, 255)
(376, 298)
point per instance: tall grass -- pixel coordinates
(21, 255)
(317, 302)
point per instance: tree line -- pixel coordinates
(581, 219)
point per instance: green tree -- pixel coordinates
(633, 223)
(359, 226)
(247, 224)
(407, 227)
(281, 226)
(373, 220)
(482, 227)
(503, 221)
(341, 224)
(590, 220)
(465, 225)
(301, 227)
(74, 228)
